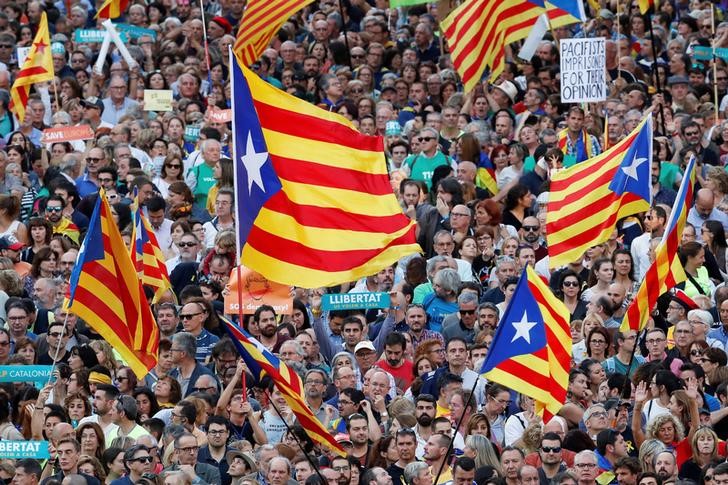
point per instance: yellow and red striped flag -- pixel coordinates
(112, 9)
(38, 67)
(531, 349)
(587, 199)
(262, 363)
(262, 19)
(314, 202)
(478, 31)
(666, 270)
(107, 294)
(146, 255)
(646, 5)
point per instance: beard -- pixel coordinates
(268, 331)
(425, 420)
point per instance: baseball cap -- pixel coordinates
(7, 243)
(365, 344)
(93, 102)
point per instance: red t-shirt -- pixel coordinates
(402, 375)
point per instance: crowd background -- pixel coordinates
(398, 387)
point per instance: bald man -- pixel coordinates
(704, 210)
(467, 171)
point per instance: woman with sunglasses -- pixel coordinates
(172, 171)
(569, 290)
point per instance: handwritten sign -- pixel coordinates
(217, 115)
(93, 36)
(583, 70)
(257, 290)
(354, 301)
(67, 133)
(158, 100)
(135, 32)
(15, 450)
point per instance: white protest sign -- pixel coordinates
(22, 55)
(583, 70)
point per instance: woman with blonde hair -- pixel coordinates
(649, 449)
(704, 445)
(105, 355)
(481, 450)
(90, 465)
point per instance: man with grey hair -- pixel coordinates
(124, 414)
(292, 353)
(585, 463)
(333, 93)
(279, 471)
(444, 245)
(187, 370)
(264, 454)
(418, 473)
(117, 103)
(442, 301)
(465, 326)
(185, 460)
(200, 177)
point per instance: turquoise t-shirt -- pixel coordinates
(422, 168)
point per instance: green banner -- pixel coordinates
(406, 3)
(354, 301)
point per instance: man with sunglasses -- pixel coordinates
(465, 326)
(423, 164)
(137, 461)
(550, 454)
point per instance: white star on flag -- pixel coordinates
(253, 162)
(523, 329)
(631, 169)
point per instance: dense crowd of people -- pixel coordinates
(398, 388)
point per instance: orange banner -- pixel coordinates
(67, 133)
(218, 115)
(256, 291)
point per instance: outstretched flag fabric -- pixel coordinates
(261, 21)
(146, 255)
(112, 9)
(314, 203)
(646, 5)
(38, 67)
(263, 363)
(478, 31)
(666, 270)
(531, 350)
(107, 294)
(587, 199)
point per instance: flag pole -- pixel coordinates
(240, 319)
(346, 43)
(298, 442)
(55, 356)
(648, 18)
(715, 65)
(204, 39)
(459, 423)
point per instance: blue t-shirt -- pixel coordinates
(437, 309)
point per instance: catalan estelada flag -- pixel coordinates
(531, 350)
(587, 199)
(146, 255)
(261, 21)
(38, 67)
(666, 270)
(112, 9)
(485, 176)
(478, 31)
(263, 363)
(314, 203)
(67, 228)
(107, 294)
(565, 12)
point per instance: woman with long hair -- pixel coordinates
(568, 292)
(489, 213)
(45, 265)
(601, 276)
(10, 226)
(704, 447)
(40, 230)
(482, 451)
(623, 266)
(598, 342)
(224, 177)
(172, 171)
(596, 374)
(147, 404)
(92, 439)
(692, 256)
(517, 205)
(168, 392)
(714, 239)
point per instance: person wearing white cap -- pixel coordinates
(503, 95)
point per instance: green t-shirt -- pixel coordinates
(422, 168)
(668, 175)
(205, 180)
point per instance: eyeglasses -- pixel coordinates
(143, 459)
(174, 165)
(54, 209)
(466, 312)
(187, 316)
(357, 56)
(52, 334)
(459, 214)
(192, 449)
(105, 180)
(598, 342)
(551, 449)
(314, 381)
(6, 46)
(585, 465)
(696, 353)
(599, 414)
(692, 133)
(425, 138)
(531, 228)
(17, 319)
(93, 160)
(122, 378)
(186, 244)
(574, 284)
